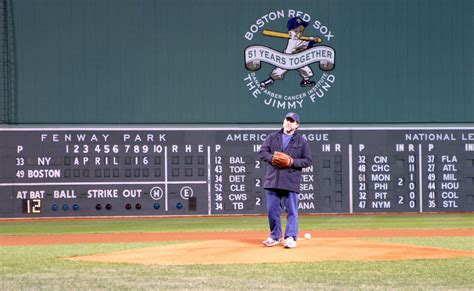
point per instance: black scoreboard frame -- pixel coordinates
(151, 171)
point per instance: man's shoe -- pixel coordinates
(307, 83)
(290, 243)
(270, 242)
(267, 83)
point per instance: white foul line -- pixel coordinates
(166, 179)
(420, 177)
(209, 204)
(100, 183)
(351, 198)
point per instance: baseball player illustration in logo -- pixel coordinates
(296, 44)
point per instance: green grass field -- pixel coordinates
(44, 267)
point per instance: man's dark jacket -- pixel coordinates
(286, 179)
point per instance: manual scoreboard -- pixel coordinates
(62, 172)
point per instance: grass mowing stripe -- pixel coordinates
(427, 221)
(453, 243)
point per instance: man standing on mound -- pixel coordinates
(286, 153)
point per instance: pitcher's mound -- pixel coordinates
(242, 252)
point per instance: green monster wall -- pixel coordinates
(184, 62)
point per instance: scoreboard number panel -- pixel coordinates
(387, 172)
(216, 171)
(32, 206)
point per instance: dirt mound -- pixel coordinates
(252, 252)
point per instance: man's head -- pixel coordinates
(291, 123)
(296, 26)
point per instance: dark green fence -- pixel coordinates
(8, 64)
(150, 61)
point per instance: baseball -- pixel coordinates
(307, 235)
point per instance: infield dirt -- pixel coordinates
(251, 252)
(246, 247)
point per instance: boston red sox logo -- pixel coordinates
(301, 54)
